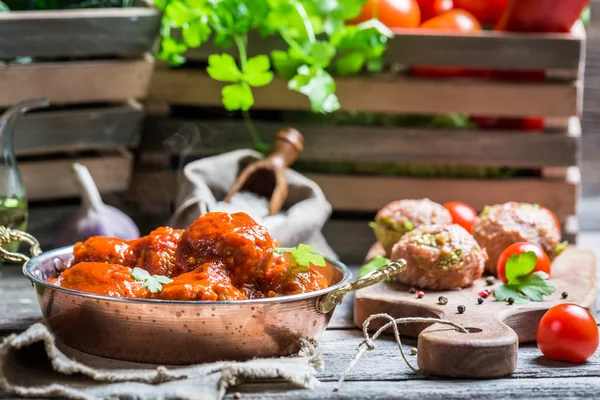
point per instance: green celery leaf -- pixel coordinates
(139, 274)
(503, 292)
(178, 13)
(153, 285)
(305, 256)
(520, 265)
(237, 96)
(222, 67)
(350, 64)
(377, 262)
(258, 72)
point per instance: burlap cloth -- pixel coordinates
(206, 182)
(33, 364)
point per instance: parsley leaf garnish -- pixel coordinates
(523, 286)
(152, 282)
(377, 262)
(302, 257)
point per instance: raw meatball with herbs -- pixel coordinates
(439, 257)
(399, 217)
(501, 225)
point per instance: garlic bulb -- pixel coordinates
(94, 218)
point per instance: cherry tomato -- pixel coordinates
(394, 14)
(567, 332)
(451, 21)
(486, 11)
(550, 213)
(462, 214)
(530, 124)
(542, 263)
(433, 8)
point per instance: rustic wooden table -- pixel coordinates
(381, 373)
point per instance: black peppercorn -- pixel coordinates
(480, 300)
(461, 309)
(565, 295)
(490, 280)
(412, 290)
(511, 301)
(443, 300)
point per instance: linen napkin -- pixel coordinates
(34, 364)
(207, 181)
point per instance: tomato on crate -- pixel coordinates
(395, 14)
(542, 261)
(462, 214)
(486, 11)
(454, 21)
(567, 332)
(433, 8)
(541, 15)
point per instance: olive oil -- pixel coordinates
(13, 214)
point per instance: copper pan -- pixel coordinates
(181, 332)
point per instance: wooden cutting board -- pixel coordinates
(497, 328)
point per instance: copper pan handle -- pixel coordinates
(9, 235)
(328, 302)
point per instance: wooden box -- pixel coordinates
(553, 153)
(92, 64)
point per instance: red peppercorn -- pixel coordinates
(484, 293)
(419, 294)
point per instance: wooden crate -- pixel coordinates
(555, 152)
(92, 65)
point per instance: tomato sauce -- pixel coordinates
(220, 256)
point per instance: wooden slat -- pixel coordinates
(88, 32)
(76, 82)
(488, 50)
(53, 179)
(330, 143)
(369, 194)
(392, 94)
(81, 129)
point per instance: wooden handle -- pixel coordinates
(287, 146)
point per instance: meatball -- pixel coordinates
(208, 282)
(105, 250)
(280, 281)
(101, 278)
(439, 257)
(501, 225)
(156, 252)
(399, 217)
(235, 240)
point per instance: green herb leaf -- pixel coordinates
(152, 282)
(318, 85)
(237, 96)
(561, 247)
(286, 64)
(350, 64)
(222, 67)
(195, 33)
(521, 265)
(322, 52)
(377, 262)
(4, 7)
(522, 284)
(302, 257)
(257, 72)
(409, 226)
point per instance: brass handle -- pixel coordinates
(332, 299)
(8, 235)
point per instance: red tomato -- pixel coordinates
(542, 263)
(567, 332)
(433, 8)
(451, 21)
(518, 124)
(486, 11)
(462, 214)
(394, 14)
